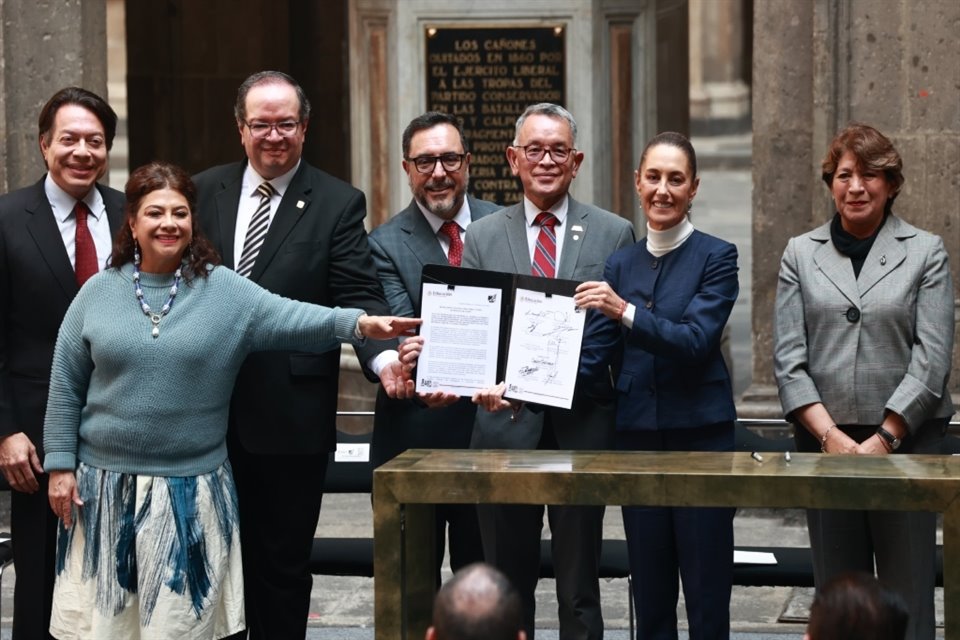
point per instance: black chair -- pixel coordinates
(346, 556)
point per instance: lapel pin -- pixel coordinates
(301, 204)
(883, 260)
(576, 237)
(576, 227)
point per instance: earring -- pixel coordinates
(690, 206)
(136, 252)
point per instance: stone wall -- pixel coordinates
(818, 66)
(44, 46)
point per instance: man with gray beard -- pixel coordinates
(429, 231)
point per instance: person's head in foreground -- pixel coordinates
(857, 606)
(478, 603)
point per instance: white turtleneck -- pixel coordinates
(660, 243)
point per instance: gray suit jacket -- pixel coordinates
(864, 345)
(401, 247)
(499, 243)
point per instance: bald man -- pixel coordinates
(478, 603)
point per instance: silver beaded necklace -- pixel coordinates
(155, 317)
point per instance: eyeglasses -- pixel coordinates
(262, 129)
(535, 153)
(449, 161)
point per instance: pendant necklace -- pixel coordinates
(155, 317)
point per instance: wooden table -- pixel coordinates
(406, 488)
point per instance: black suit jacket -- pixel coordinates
(401, 248)
(315, 251)
(37, 284)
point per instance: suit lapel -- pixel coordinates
(838, 270)
(227, 202)
(517, 237)
(43, 228)
(886, 254)
(420, 238)
(114, 205)
(294, 205)
(575, 229)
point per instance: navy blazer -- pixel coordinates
(672, 373)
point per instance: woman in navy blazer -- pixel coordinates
(863, 337)
(663, 305)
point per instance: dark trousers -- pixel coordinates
(458, 522)
(692, 543)
(901, 543)
(34, 529)
(279, 500)
(511, 542)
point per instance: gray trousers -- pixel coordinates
(899, 546)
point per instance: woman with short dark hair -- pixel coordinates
(863, 338)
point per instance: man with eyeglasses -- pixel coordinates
(429, 231)
(298, 232)
(548, 234)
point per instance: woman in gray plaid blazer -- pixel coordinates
(864, 330)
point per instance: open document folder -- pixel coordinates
(481, 327)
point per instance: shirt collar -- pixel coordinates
(559, 209)
(462, 218)
(63, 203)
(252, 180)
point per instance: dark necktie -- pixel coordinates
(545, 253)
(455, 254)
(85, 259)
(257, 231)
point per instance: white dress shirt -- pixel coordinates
(63, 204)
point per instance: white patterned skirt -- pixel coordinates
(150, 558)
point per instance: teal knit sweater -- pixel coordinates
(125, 401)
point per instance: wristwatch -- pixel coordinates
(891, 439)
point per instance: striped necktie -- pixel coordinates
(545, 253)
(257, 231)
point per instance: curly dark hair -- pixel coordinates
(153, 177)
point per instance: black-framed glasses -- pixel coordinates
(449, 161)
(262, 129)
(535, 153)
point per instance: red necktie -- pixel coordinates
(85, 263)
(452, 230)
(545, 252)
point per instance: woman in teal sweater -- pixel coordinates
(137, 418)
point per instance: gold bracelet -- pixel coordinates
(823, 439)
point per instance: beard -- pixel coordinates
(445, 207)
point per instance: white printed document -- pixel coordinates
(461, 332)
(543, 356)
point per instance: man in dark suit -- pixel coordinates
(551, 235)
(298, 232)
(54, 235)
(429, 231)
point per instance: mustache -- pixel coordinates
(445, 183)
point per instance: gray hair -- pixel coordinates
(545, 109)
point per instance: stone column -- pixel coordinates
(816, 67)
(44, 46)
(719, 97)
